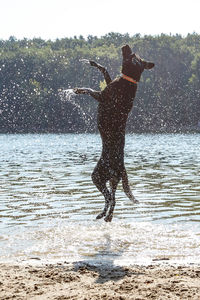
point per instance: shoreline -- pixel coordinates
(82, 280)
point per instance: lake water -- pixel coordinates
(48, 203)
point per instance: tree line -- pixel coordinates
(33, 72)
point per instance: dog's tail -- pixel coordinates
(126, 187)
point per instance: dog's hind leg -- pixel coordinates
(126, 187)
(113, 185)
(101, 186)
(103, 71)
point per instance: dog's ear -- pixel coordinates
(148, 65)
(126, 51)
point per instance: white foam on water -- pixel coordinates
(117, 243)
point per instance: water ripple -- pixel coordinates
(47, 177)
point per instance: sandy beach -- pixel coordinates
(84, 281)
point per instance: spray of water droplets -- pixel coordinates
(69, 95)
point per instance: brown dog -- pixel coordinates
(115, 103)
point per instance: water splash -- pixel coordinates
(68, 95)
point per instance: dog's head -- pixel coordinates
(132, 64)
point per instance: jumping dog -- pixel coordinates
(115, 103)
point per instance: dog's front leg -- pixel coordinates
(87, 91)
(103, 71)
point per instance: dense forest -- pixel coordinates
(33, 72)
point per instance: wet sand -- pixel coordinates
(85, 281)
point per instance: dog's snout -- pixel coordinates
(149, 65)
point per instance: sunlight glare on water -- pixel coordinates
(48, 202)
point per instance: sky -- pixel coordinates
(52, 19)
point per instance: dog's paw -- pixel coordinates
(100, 216)
(108, 218)
(75, 90)
(93, 63)
(135, 201)
(78, 90)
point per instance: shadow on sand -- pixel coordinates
(103, 266)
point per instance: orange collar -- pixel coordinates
(129, 79)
